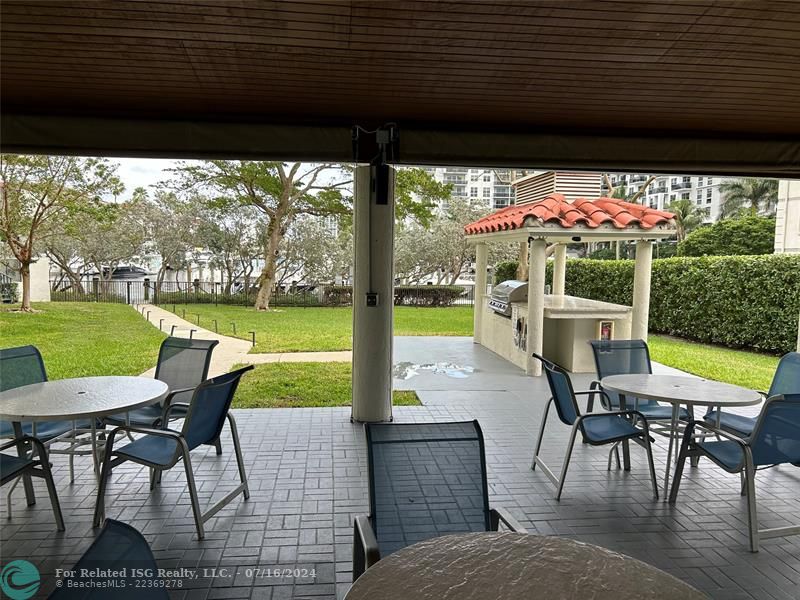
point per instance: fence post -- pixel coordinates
(128, 292)
(146, 289)
(196, 284)
(96, 288)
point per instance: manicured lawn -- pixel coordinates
(748, 369)
(82, 338)
(299, 384)
(319, 329)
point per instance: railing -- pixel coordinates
(205, 292)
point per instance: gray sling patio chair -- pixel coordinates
(182, 364)
(597, 429)
(785, 381)
(775, 440)
(425, 480)
(119, 548)
(14, 467)
(24, 366)
(161, 449)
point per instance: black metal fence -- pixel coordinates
(205, 292)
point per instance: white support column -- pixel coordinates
(559, 269)
(373, 226)
(798, 335)
(641, 290)
(481, 258)
(537, 261)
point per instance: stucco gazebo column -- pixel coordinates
(537, 261)
(641, 290)
(481, 256)
(373, 277)
(559, 269)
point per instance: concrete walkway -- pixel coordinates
(230, 350)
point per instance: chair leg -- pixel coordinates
(743, 479)
(187, 465)
(237, 448)
(563, 476)
(649, 449)
(72, 468)
(105, 475)
(541, 434)
(8, 496)
(614, 452)
(752, 516)
(218, 446)
(676, 480)
(51, 491)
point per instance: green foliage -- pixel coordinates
(9, 293)
(417, 194)
(746, 236)
(338, 295)
(748, 196)
(738, 301)
(426, 295)
(505, 270)
(603, 254)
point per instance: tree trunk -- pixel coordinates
(522, 262)
(267, 278)
(25, 274)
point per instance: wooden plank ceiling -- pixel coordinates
(686, 67)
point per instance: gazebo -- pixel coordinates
(556, 220)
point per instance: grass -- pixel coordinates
(740, 367)
(303, 384)
(320, 329)
(78, 339)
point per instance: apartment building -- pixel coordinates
(491, 186)
(703, 190)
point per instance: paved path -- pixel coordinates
(230, 350)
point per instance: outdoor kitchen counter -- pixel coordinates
(572, 307)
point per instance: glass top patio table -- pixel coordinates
(513, 566)
(78, 399)
(678, 390)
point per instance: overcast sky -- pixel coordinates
(141, 172)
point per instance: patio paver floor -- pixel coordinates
(307, 472)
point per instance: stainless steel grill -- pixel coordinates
(507, 292)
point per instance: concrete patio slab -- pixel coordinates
(307, 470)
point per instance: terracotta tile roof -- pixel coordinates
(589, 213)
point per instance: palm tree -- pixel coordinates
(687, 216)
(748, 195)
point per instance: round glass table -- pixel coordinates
(78, 399)
(679, 390)
(513, 566)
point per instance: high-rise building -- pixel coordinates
(703, 190)
(491, 186)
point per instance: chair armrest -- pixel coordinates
(611, 413)
(148, 431)
(501, 515)
(734, 438)
(172, 393)
(365, 546)
(597, 391)
(168, 409)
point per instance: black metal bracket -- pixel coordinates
(377, 147)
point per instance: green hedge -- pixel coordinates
(739, 301)
(426, 295)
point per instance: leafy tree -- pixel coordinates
(233, 238)
(41, 192)
(750, 195)
(688, 216)
(281, 192)
(317, 251)
(108, 242)
(747, 235)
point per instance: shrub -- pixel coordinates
(338, 295)
(426, 295)
(743, 236)
(9, 292)
(739, 301)
(503, 271)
